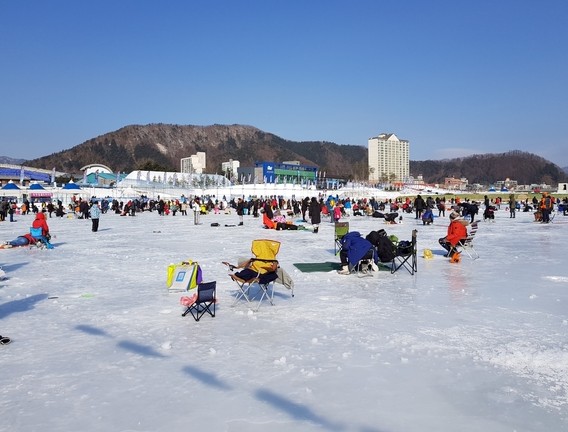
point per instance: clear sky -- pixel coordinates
(453, 77)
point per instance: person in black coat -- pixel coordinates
(315, 214)
(419, 206)
(240, 210)
(305, 205)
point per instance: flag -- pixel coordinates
(22, 175)
(53, 175)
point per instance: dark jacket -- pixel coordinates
(315, 209)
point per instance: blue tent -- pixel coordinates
(71, 186)
(10, 186)
(36, 186)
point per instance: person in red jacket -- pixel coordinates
(457, 233)
(40, 222)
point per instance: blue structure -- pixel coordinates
(273, 172)
(28, 174)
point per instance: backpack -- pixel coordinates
(384, 245)
(404, 247)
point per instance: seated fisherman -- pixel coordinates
(354, 248)
(457, 233)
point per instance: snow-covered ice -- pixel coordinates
(100, 345)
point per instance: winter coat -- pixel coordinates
(40, 222)
(355, 246)
(315, 214)
(95, 211)
(456, 232)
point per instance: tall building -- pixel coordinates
(195, 164)
(388, 158)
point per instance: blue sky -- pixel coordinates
(453, 77)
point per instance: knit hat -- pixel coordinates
(454, 215)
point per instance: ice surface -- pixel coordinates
(100, 345)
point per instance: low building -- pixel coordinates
(275, 172)
(456, 184)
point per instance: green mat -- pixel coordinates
(318, 267)
(327, 267)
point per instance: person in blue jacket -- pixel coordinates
(354, 248)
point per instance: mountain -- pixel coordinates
(161, 146)
(525, 168)
(11, 161)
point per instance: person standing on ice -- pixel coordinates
(95, 214)
(240, 210)
(315, 214)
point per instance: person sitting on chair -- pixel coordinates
(354, 248)
(40, 222)
(457, 233)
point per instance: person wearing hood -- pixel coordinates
(41, 222)
(457, 233)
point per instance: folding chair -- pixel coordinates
(366, 265)
(467, 245)
(258, 271)
(341, 228)
(203, 302)
(406, 256)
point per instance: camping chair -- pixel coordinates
(258, 271)
(467, 245)
(366, 265)
(41, 240)
(201, 302)
(341, 228)
(359, 253)
(405, 256)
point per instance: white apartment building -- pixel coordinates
(389, 158)
(195, 164)
(231, 166)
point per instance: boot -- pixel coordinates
(316, 230)
(344, 270)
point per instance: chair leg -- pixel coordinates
(267, 291)
(242, 293)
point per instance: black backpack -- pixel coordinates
(385, 247)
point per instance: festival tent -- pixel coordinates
(37, 191)
(71, 186)
(69, 190)
(10, 186)
(10, 189)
